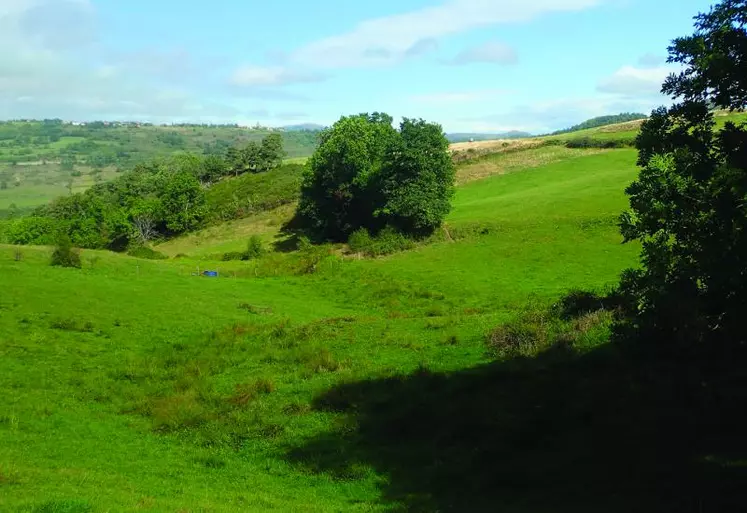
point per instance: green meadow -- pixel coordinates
(135, 385)
(313, 379)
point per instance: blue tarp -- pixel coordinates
(210, 274)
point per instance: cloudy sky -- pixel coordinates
(472, 65)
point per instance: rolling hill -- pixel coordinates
(362, 386)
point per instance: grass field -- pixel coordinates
(367, 385)
(192, 394)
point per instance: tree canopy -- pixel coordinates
(689, 204)
(157, 199)
(366, 174)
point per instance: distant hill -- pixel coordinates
(465, 137)
(304, 127)
(603, 121)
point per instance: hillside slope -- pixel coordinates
(311, 381)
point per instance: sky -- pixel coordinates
(470, 65)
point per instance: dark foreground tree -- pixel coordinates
(689, 204)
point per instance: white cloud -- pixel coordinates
(459, 96)
(392, 36)
(252, 76)
(492, 52)
(59, 68)
(634, 81)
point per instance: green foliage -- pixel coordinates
(255, 248)
(64, 254)
(271, 152)
(34, 230)
(348, 376)
(712, 58)
(536, 330)
(145, 253)
(184, 203)
(335, 195)
(253, 193)
(366, 174)
(386, 242)
(68, 163)
(603, 121)
(590, 142)
(688, 207)
(233, 255)
(257, 157)
(416, 179)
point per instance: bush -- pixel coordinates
(39, 231)
(252, 193)
(233, 255)
(386, 242)
(64, 254)
(360, 241)
(589, 142)
(580, 320)
(255, 249)
(146, 253)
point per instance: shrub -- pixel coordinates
(387, 241)
(233, 255)
(359, 241)
(321, 361)
(255, 248)
(64, 254)
(579, 320)
(145, 253)
(33, 230)
(589, 142)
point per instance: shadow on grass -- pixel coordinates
(562, 432)
(286, 243)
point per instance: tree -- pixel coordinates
(271, 152)
(689, 204)
(144, 218)
(183, 202)
(68, 163)
(417, 178)
(213, 168)
(335, 196)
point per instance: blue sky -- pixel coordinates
(471, 65)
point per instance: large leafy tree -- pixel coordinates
(271, 152)
(335, 194)
(183, 202)
(417, 178)
(689, 204)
